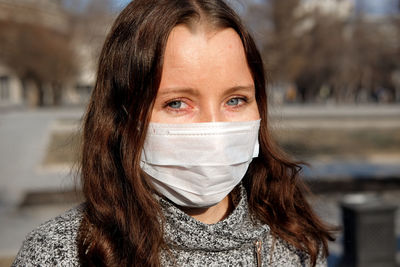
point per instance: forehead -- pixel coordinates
(198, 57)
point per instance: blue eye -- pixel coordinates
(175, 104)
(233, 101)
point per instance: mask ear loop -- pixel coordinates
(126, 112)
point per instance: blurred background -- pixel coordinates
(333, 69)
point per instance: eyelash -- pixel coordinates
(169, 102)
(240, 98)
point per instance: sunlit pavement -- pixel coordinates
(25, 136)
(24, 139)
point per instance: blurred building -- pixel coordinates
(46, 13)
(51, 15)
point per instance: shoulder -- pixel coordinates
(281, 253)
(52, 243)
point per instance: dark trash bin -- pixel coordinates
(369, 232)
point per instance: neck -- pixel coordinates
(212, 214)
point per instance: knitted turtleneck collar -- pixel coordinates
(184, 233)
(234, 241)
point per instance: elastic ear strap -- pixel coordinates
(126, 112)
(256, 149)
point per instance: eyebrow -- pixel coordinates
(186, 90)
(195, 92)
(240, 88)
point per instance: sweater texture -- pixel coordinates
(231, 242)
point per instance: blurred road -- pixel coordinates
(24, 137)
(349, 118)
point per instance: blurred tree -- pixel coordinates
(323, 50)
(90, 24)
(49, 60)
(282, 41)
(43, 59)
(91, 20)
(396, 74)
(326, 55)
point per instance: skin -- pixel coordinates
(205, 78)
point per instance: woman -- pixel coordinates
(178, 166)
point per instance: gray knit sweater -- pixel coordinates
(234, 241)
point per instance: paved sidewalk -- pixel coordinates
(23, 143)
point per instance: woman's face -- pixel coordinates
(205, 78)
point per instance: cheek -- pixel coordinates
(161, 116)
(250, 113)
(256, 111)
(156, 114)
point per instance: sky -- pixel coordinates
(378, 7)
(119, 4)
(79, 5)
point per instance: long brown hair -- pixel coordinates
(123, 223)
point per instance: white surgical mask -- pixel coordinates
(198, 164)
